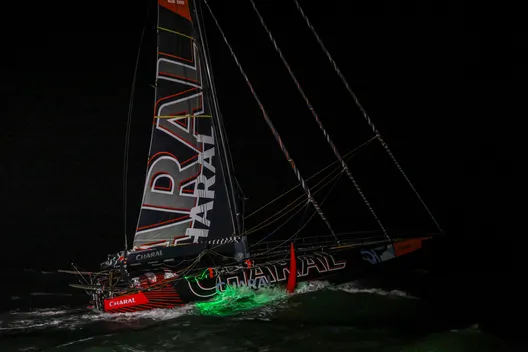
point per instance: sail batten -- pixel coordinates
(185, 198)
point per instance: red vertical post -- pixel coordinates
(292, 279)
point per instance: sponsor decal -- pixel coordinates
(267, 274)
(149, 255)
(179, 7)
(125, 301)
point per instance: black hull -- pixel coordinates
(334, 264)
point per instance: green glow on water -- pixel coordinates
(234, 300)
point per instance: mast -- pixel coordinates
(227, 164)
(128, 127)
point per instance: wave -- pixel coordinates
(356, 287)
(154, 314)
(311, 286)
(71, 319)
(263, 303)
(41, 312)
(76, 342)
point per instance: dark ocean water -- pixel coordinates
(43, 314)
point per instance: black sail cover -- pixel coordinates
(185, 200)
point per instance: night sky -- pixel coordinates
(438, 80)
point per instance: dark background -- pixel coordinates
(441, 81)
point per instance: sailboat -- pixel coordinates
(190, 243)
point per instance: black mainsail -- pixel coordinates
(187, 199)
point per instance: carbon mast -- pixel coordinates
(241, 247)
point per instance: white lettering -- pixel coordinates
(309, 265)
(205, 192)
(196, 233)
(204, 208)
(122, 302)
(206, 159)
(199, 212)
(149, 255)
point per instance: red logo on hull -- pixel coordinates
(125, 301)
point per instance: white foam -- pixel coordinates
(354, 287)
(30, 324)
(74, 342)
(43, 312)
(71, 319)
(311, 286)
(153, 314)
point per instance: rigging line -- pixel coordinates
(234, 263)
(220, 117)
(306, 211)
(272, 128)
(307, 238)
(223, 147)
(82, 276)
(296, 200)
(307, 222)
(292, 204)
(365, 115)
(303, 226)
(280, 226)
(337, 178)
(128, 127)
(347, 156)
(282, 213)
(206, 50)
(243, 200)
(319, 122)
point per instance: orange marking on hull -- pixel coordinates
(407, 246)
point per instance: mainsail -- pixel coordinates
(187, 200)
